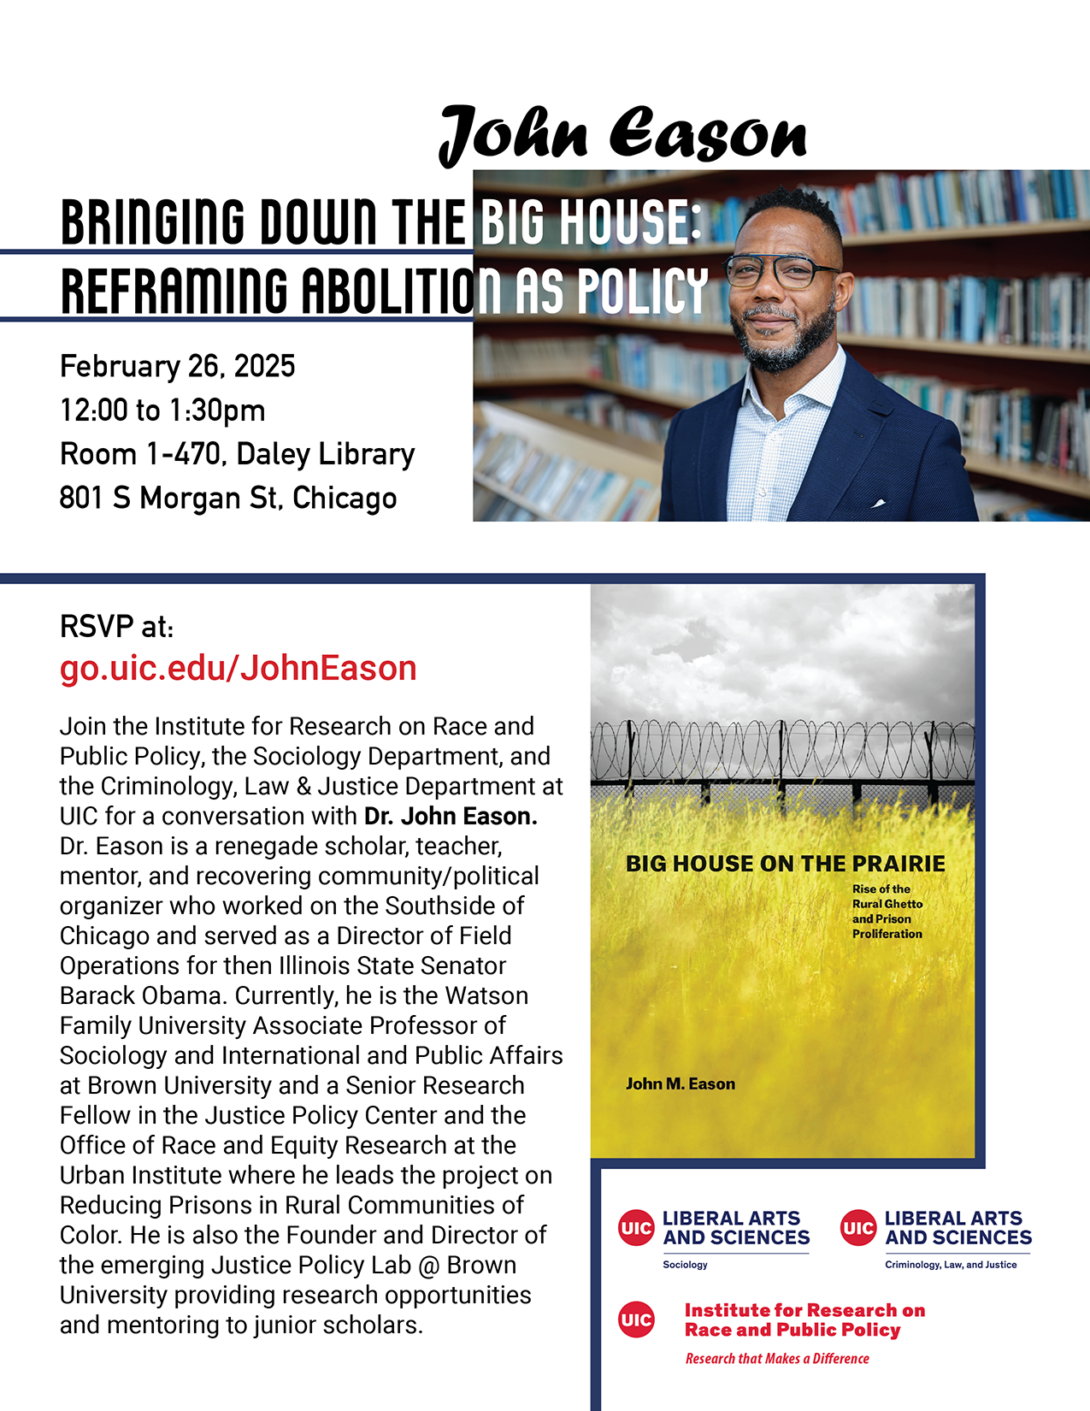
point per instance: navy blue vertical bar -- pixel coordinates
(980, 814)
(595, 1286)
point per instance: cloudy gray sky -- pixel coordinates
(732, 652)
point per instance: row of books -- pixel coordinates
(601, 409)
(1050, 311)
(1011, 423)
(498, 358)
(637, 361)
(609, 412)
(648, 365)
(942, 200)
(554, 485)
(633, 360)
(946, 200)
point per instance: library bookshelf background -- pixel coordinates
(972, 298)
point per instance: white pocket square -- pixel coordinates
(877, 503)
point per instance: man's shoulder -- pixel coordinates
(871, 392)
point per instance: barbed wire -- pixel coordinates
(659, 751)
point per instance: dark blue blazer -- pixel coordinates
(875, 446)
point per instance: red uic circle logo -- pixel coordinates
(635, 1227)
(636, 1320)
(859, 1227)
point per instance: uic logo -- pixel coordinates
(636, 1320)
(859, 1227)
(635, 1227)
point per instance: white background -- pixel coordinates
(337, 100)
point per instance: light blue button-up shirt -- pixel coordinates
(769, 458)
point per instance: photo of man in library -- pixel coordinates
(807, 434)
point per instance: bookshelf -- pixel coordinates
(1006, 250)
(634, 464)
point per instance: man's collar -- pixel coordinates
(822, 388)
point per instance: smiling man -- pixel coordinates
(808, 434)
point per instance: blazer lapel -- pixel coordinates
(716, 439)
(854, 423)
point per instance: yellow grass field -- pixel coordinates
(838, 1047)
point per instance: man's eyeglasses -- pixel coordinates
(791, 271)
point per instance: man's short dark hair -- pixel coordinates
(798, 200)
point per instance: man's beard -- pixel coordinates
(808, 338)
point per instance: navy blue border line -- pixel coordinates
(595, 1286)
(107, 251)
(558, 579)
(236, 318)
